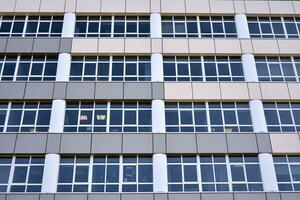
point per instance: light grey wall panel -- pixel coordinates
(109, 90)
(46, 45)
(104, 197)
(159, 143)
(3, 42)
(107, 143)
(290, 196)
(158, 90)
(71, 197)
(46, 197)
(249, 196)
(238, 143)
(137, 91)
(60, 89)
(217, 196)
(80, 90)
(31, 143)
(2, 196)
(65, 45)
(179, 196)
(17, 45)
(161, 196)
(7, 143)
(75, 143)
(137, 143)
(264, 143)
(53, 143)
(212, 143)
(181, 143)
(39, 90)
(273, 196)
(12, 90)
(21, 197)
(137, 197)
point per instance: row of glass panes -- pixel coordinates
(136, 117)
(207, 173)
(138, 68)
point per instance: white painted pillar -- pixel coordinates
(249, 68)
(158, 116)
(50, 176)
(258, 116)
(57, 116)
(268, 173)
(69, 25)
(241, 24)
(157, 72)
(160, 173)
(155, 25)
(63, 67)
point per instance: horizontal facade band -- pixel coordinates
(149, 143)
(148, 6)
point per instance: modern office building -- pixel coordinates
(149, 100)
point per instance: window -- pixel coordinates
(213, 173)
(282, 117)
(208, 117)
(206, 68)
(108, 117)
(25, 117)
(105, 174)
(31, 26)
(287, 170)
(193, 26)
(114, 68)
(21, 174)
(274, 27)
(28, 68)
(112, 26)
(278, 68)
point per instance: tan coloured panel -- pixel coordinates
(172, 6)
(88, 6)
(239, 6)
(27, 6)
(138, 46)
(113, 6)
(264, 46)
(246, 46)
(155, 6)
(296, 5)
(271, 91)
(197, 6)
(281, 7)
(257, 7)
(229, 46)
(206, 91)
(178, 91)
(7, 5)
(137, 6)
(156, 45)
(254, 91)
(52, 6)
(234, 91)
(198, 46)
(289, 46)
(221, 6)
(70, 6)
(85, 45)
(285, 143)
(111, 45)
(173, 46)
(294, 89)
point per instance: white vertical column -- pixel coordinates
(57, 116)
(160, 173)
(155, 25)
(157, 73)
(69, 25)
(63, 67)
(249, 68)
(268, 173)
(158, 116)
(50, 175)
(241, 24)
(258, 116)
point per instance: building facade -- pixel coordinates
(149, 99)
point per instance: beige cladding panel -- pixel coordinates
(199, 46)
(7, 5)
(289, 46)
(85, 45)
(239, 6)
(178, 91)
(257, 7)
(263, 46)
(197, 6)
(254, 91)
(155, 6)
(88, 6)
(271, 91)
(156, 46)
(70, 6)
(221, 7)
(137, 6)
(175, 46)
(285, 143)
(281, 7)
(53, 6)
(113, 6)
(113, 45)
(206, 91)
(172, 6)
(294, 89)
(228, 46)
(246, 46)
(27, 6)
(233, 91)
(296, 5)
(138, 46)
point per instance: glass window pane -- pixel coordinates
(145, 174)
(65, 174)
(174, 173)
(282, 173)
(190, 173)
(81, 173)
(237, 173)
(112, 174)
(36, 174)
(207, 174)
(20, 174)
(253, 173)
(4, 174)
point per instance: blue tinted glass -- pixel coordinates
(71, 117)
(167, 27)
(112, 175)
(169, 69)
(105, 27)
(117, 69)
(253, 173)
(221, 173)
(100, 117)
(86, 117)
(76, 69)
(29, 117)
(244, 117)
(20, 175)
(23, 69)
(171, 117)
(230, 27)
(186, 117)
(254, 28)
(5, 27)
(44, 27)
(174, 173)
(145, 174)
(9, 69)
(2, 116)
(65, 174)
(14, 117)
(18, 27)
(192, 27)
(80, 27)
(237, 173)
(200, 117)
(183, 69)
(144, 27)
(129, 174)
(90, 69)
(131, 69)
(115, 117)
(37, 69)
(56, 27)
(119, 27)
(145, 117)
(282, 173)
(93, 27)
(190, 173)
(103, 69)
(207, 173)
(265, 28)
(35, 174)
(296, 114)
(131, 27)
(31, 27)
(210, 69)
(271, 117)
(229, 117)
(278, 28)
(82, 173)
(205, 27)
(215, 117)
(4, 174)
(295, 170)
(285, 117)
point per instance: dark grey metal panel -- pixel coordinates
(249, 196)
(159, 143)
(75, 143)
(12, 90)
(71, 196)
(21, 197)
(39, 90)
(104, 197)
(264, 143)
(17, 45)
(46, 45)
(53, 143)
(137, 90)
(238, 143)
(217, 196)
(3, 42)
(107, 143)
(7, 143)
(78, 90)
(158, 90)
(60, 89)
(212, 143)
(290, 196)
(137, 197)
(65, 45)
(109, 90)
(137, 143)
(181, 143)
(31, 143)
(186, 196)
